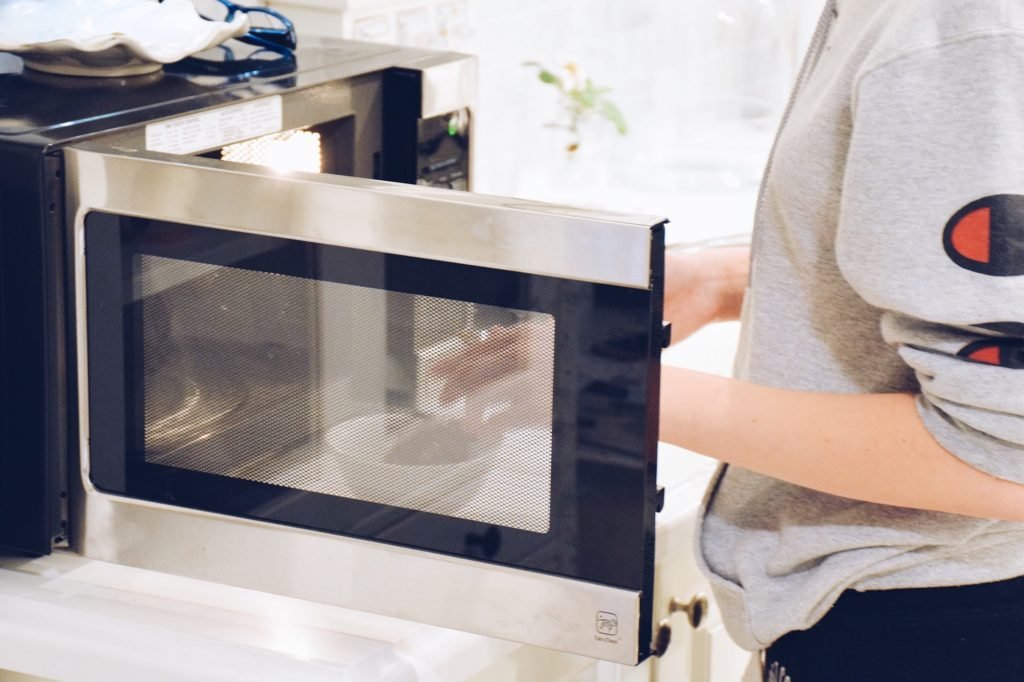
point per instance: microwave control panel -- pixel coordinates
(442, 151)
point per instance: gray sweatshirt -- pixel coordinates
(888, 256)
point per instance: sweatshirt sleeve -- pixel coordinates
(931, 231)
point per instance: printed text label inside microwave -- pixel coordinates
(216, 128)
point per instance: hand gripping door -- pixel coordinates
(423, 403)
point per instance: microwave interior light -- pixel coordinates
(291, 150)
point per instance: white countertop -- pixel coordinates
(66, 617)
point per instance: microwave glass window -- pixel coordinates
(399, 399)
(291, 150)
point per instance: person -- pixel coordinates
(868, 520)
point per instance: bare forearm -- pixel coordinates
(870, 447)
(733, 274)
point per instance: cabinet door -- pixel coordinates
(418, 402)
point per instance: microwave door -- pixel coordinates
(422, 403)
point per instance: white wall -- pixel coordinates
(684, 73)
(702, 83)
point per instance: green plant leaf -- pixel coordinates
(550, 78)
(614, 114)
(545, 75)
(584, 99)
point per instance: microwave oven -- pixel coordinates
(256, 332)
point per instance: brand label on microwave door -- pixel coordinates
(216, 128)
(607, 627)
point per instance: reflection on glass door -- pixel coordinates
(404, 400)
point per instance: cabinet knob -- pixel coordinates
(695, 610)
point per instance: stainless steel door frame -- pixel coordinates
(496, 601)
(569, 615)
(400, 219)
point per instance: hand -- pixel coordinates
(499, 351)
(505, 377)
(704, 286)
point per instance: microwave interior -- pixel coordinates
(322, 148)
(441, 153)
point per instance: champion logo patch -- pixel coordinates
(1000, 352)
(987, 236)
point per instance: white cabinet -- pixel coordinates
(706, 654)
(726, 660)
(438, 24)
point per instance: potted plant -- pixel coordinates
(581, 102)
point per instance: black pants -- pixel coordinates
(973, 633)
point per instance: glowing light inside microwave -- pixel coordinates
(292, 150)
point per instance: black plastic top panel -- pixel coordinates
(41, 109)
